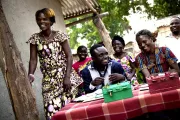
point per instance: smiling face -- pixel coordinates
(43, 22)
(101, 56)
(175, 26)
(82, 53)
(117, 46)
(145, 43)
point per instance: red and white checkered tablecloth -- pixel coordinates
(141, 103)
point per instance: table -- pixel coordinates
(142, 102)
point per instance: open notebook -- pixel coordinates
(90, 97)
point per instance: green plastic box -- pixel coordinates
(117, 91)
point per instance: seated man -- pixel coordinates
(101, 71)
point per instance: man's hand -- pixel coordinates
(97, 81)
(116, 77)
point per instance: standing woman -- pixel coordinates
(55, 59)
(123, 57)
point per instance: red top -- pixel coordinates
(78, 66)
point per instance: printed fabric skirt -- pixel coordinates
(53, 93)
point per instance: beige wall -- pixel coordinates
(20, 15)
(163, 32)
(132, 49)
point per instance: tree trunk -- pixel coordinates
(103, 33)
(20, 91)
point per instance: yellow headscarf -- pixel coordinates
(50, 12)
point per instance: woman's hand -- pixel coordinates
(130, 76)
(67, 51)
(32, 62)
(31, 78)
(67, 84)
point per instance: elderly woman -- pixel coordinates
(123, 57)
(55, 59)
(153, 59)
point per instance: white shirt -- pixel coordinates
(94, 74)
(173, 44)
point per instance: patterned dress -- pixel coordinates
(78, 67)
(125, 63)
(53, 67)
(161, 63)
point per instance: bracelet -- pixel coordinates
(31, 75)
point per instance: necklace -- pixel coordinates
(120, 56)
(47, 38)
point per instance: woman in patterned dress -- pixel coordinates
(123, 58)
(52, 47)
(153, 59)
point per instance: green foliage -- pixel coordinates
(116, 21)
(163, 8)
(87, 31)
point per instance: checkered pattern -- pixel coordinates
(141, 103)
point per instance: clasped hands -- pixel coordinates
(115, 77)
